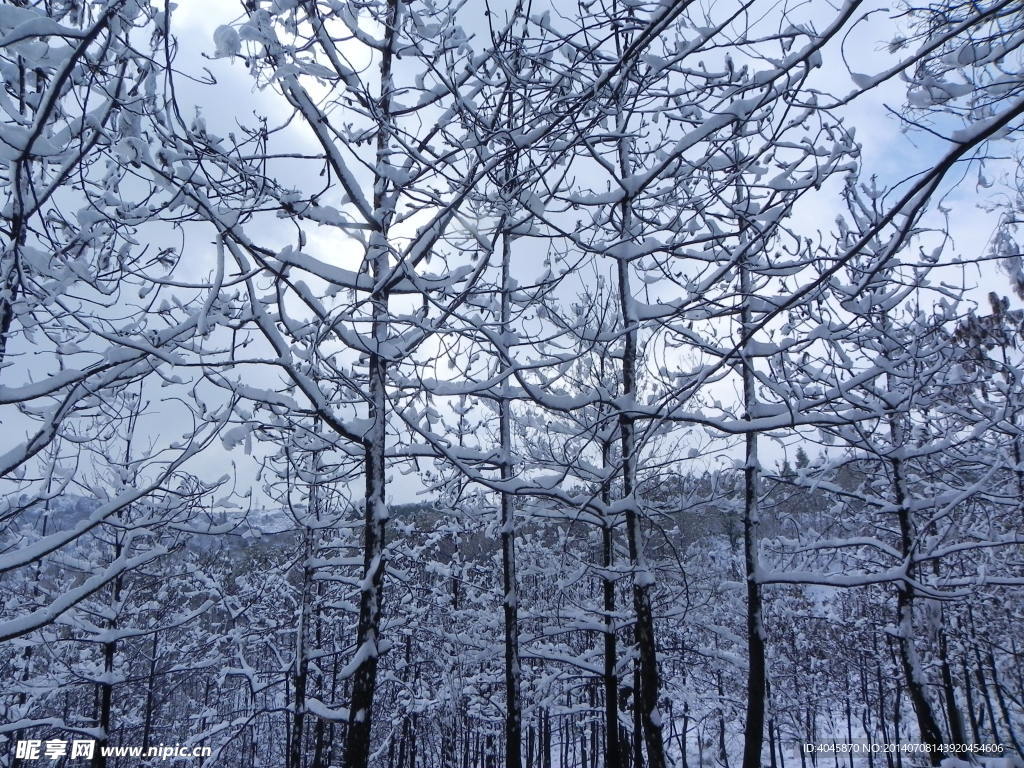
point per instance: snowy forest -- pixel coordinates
(512, 383)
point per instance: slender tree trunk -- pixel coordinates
(1001, 700)
(613, 748)
(320, 733)
(927, 723)
(638, 725)
(358, 744)
(106, 688)
(969, 696)
(564, 733)
(547, 738)
(301, 663)
(913, 673)
(810, 716)
(1019, 659)
(723, 749)
(646, 693)
(865, 699)
(684, 760)
(318, 744)
(413, 731)
(849, 722)
(986, 694)
(882, 715)
(646, 698)
(150, 689)
(897, 720)
(584, 751)
(202, 720)
(956, 721)
(753, 733)
(99, 760)
(510, 603)
(26, 654)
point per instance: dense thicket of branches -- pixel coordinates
(718, 451)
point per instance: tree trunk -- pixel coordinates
(928, 726)
(723, 750)
(645, 695)
(510, 603)
(645, 699)
(106, 688)
(301, 664)
(753, 732)
(956, 721)
(613, 748)
(969, 696)
(897, 708)
(358, 744)
(150, 685)
(1001, 700)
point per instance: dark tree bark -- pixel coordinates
(510, 602)
(106, 688)
(969, 696)
(364, 681)
(956, 721)
(927, 724)
(646, 698)
(753, 732)
(150, 693)
(613, 747)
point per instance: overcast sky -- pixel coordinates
(889, 150)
